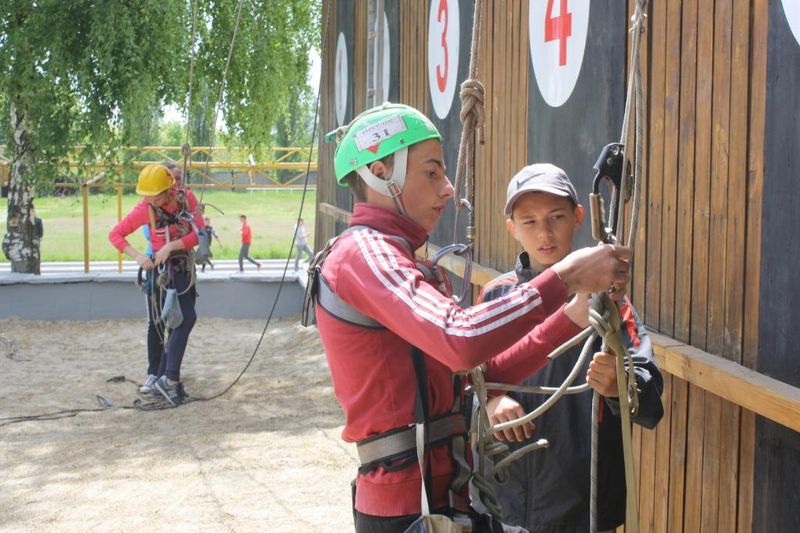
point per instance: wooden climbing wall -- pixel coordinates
(715, 78)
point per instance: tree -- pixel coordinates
(90, 72)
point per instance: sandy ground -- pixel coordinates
(266, 456)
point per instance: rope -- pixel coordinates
(221, 92)
(472, 118)
(189, 96)
(635, 89)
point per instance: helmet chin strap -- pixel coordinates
(393, 185)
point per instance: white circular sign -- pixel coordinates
(340, 84)
(443, 41)
(386, 60)
(792, 10)
(558, 30)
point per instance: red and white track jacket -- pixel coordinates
(372, 369)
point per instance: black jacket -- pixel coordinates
(548, 490)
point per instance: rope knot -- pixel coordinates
(472, 112)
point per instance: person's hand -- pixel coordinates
(163, 254)
(577, 310)
(144, 262)
(504, 408)
(596, 269)
(602, 374)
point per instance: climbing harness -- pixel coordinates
(396, 448)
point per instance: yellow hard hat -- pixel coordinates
(153, 180)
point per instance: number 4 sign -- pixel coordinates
(557, 34)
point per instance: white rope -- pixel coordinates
(627, 386)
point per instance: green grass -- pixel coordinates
(271, 213)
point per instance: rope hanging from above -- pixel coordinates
(472, 119)
(604, 319)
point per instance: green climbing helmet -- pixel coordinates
(377, 133)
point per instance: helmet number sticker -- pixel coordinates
(557, 35)
(370, 138)
(791, 9)
(443, 47)
(340, 80)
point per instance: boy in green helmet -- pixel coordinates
(394, 340)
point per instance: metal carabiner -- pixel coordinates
(609, 167)
(461, 250)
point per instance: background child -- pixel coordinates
(204, 254)
(247, 239)
(300, 243)
(548, 490)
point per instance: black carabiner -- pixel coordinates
(609, 167)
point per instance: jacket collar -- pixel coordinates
(524, 270)
(388, 221)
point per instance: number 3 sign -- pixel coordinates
(443, 36)
(558, 31)
(340, 82)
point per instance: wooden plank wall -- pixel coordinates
(503, 68)
(325, 227)
(697, 268)
(698, 281)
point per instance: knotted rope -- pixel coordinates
(472, 119)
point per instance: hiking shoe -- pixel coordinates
(147, 386)
(173, 393)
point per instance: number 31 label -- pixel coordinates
(558, 30)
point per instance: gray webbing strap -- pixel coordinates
(342, 310)
(403, 441)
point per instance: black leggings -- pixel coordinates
(167, 360)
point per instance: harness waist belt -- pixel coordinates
(400, 441)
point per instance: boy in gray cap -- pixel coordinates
(548, 490)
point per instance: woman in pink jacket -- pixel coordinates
(174, 220)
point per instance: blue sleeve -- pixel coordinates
(146, 233)
(649, 381)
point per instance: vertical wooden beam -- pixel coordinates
(85, 196)
(646, 478)
(693, 493)
(658, 69)
(759, 17)
(670, 169)
(685, 175)
(679, 432)
(661, 467)
(719, 173)
(702, 175)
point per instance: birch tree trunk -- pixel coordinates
(20, 243)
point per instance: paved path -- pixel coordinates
(270, 267)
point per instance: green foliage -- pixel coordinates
(171, 134)
(95, 73)
(78, 69)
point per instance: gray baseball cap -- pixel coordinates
(540, 177)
